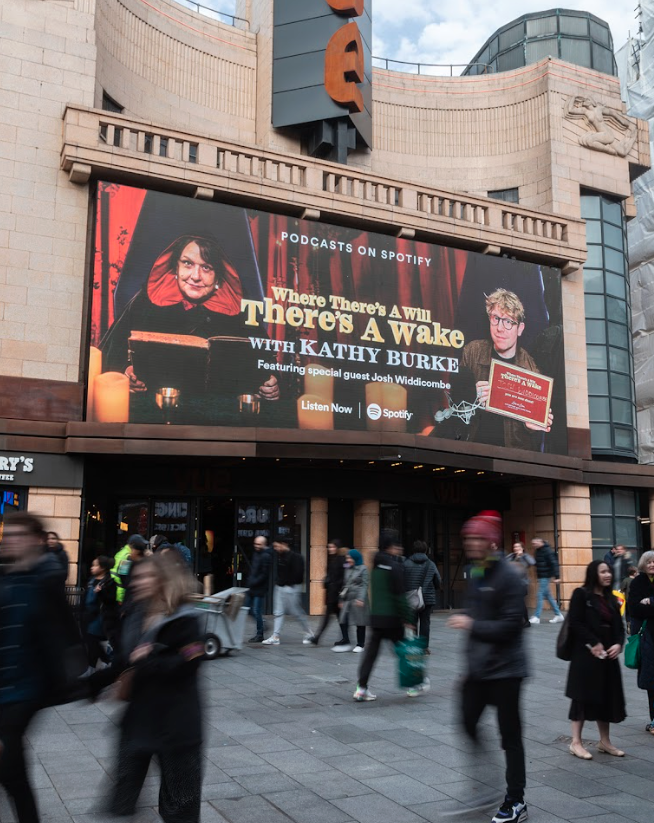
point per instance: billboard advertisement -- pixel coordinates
(210, 314)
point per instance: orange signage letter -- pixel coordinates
(344, 67)
(352, 7)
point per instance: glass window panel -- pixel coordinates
(618, 359)
(595, 331)
(626, 531)
(612, 211)
(494, 46)
(618, 335)
(594, 306)
(541, 25)
(602, 532)
(623, 411)
(615, 285)
(621, 386)
(511, 59)
(624, 439)
(590, 206)
(575, 51)
(615, 309)
(594, 280)
(613, 235)
(600, 501)
(596, 356)
(624, 502)
(614, 260)
(538, 49)
(600, 436)
(599, 409)
(573, 25)
(603, 59)
(593, 231)
(594, 259)
(600, 33)
(513, 35)
(598, 382)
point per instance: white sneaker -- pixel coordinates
(308, 639)
(342, 647)
(421, 688)
(273, 640)
(362, 695)
(534, 620)
(357, 649)
(558, 618)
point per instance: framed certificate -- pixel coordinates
(519, 393)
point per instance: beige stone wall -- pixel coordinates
(318, 558)
(47, 59)
(174, 66)
(61, 510)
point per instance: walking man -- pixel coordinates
(495, 655)
(258, 583)
(547, 568)
(288, 590)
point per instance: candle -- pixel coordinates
(394, 398)
(95, 368)
(314, 413)
(111, 398)
(322, 385)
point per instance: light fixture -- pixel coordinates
(459, 471)
(419, 466)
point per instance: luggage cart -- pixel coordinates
(222, 621)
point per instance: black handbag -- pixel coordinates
(565, 641)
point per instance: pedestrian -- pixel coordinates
(523, 563)
(157, 674)
(495, 656)
(258, 584)
(288, 591)
(37, 632)
(421, 572)
(333, 584)
(100, 613)
(56, 549)
(641, 608)
(617, 559)
(353, 599)
(594, 680)
(388, 606)
(547, 568)
(133, 550)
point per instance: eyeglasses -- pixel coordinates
(506, 322)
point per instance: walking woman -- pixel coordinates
(594, 679)
(354, 596)
(421, 572)
(333, 584)
(160, 657)
(640, 607)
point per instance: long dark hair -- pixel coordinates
(592, 578)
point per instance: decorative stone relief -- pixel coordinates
(611, 131)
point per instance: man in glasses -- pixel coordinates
(506, 316)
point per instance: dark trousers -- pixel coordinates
(361, 634)
(650, 700)
(505, 695)
(256, 610)
(375, 637)
(331, 610)
(424, 623)
(14, 720)
(96, 650)
(181, 783)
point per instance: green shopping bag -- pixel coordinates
(412, 659)
(632, 649)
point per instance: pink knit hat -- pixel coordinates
(486, 524)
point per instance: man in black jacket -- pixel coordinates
(288, 591)
(258, 583)
(495, 655)
(547, 568)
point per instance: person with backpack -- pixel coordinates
(547, 568)
(420, 573)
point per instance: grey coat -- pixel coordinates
(355, 587)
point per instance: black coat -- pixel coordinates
(495, 643)
(591, 680)
(642, 587)
(334, 579)
(547, 564)
(290, 569)
(260, 572)
(420, 571)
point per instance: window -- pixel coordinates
(193, 153)
(507, 195)
(614, 519)
(109, 104)
(608, 329)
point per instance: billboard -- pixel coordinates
(209, 314)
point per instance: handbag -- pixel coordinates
(415, 597)
(411, 660)
(632, 652)
(565, 641)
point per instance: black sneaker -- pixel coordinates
(511, 810)
(258, 638)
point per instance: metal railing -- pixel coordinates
(427, 69)
(214, 14)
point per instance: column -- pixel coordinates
(366, 528)
(575, 536)
(651, 518)
(318, 554)
(60, 510)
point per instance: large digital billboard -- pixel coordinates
(209, 314)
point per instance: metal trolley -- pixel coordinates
(222, 621)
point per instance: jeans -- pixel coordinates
(505, 695)
(256, 610)
(287, 601)
(14, 720)
(542, 592)
(375, 637)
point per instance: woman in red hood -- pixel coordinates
(192, 289)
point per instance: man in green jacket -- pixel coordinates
(123, 560)
(389, 609)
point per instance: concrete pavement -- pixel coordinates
(285, 743)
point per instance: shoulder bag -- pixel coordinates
(565, 641)
(415, 597)
(632, 652)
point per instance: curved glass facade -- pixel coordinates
(611, 390)
(574, 36)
